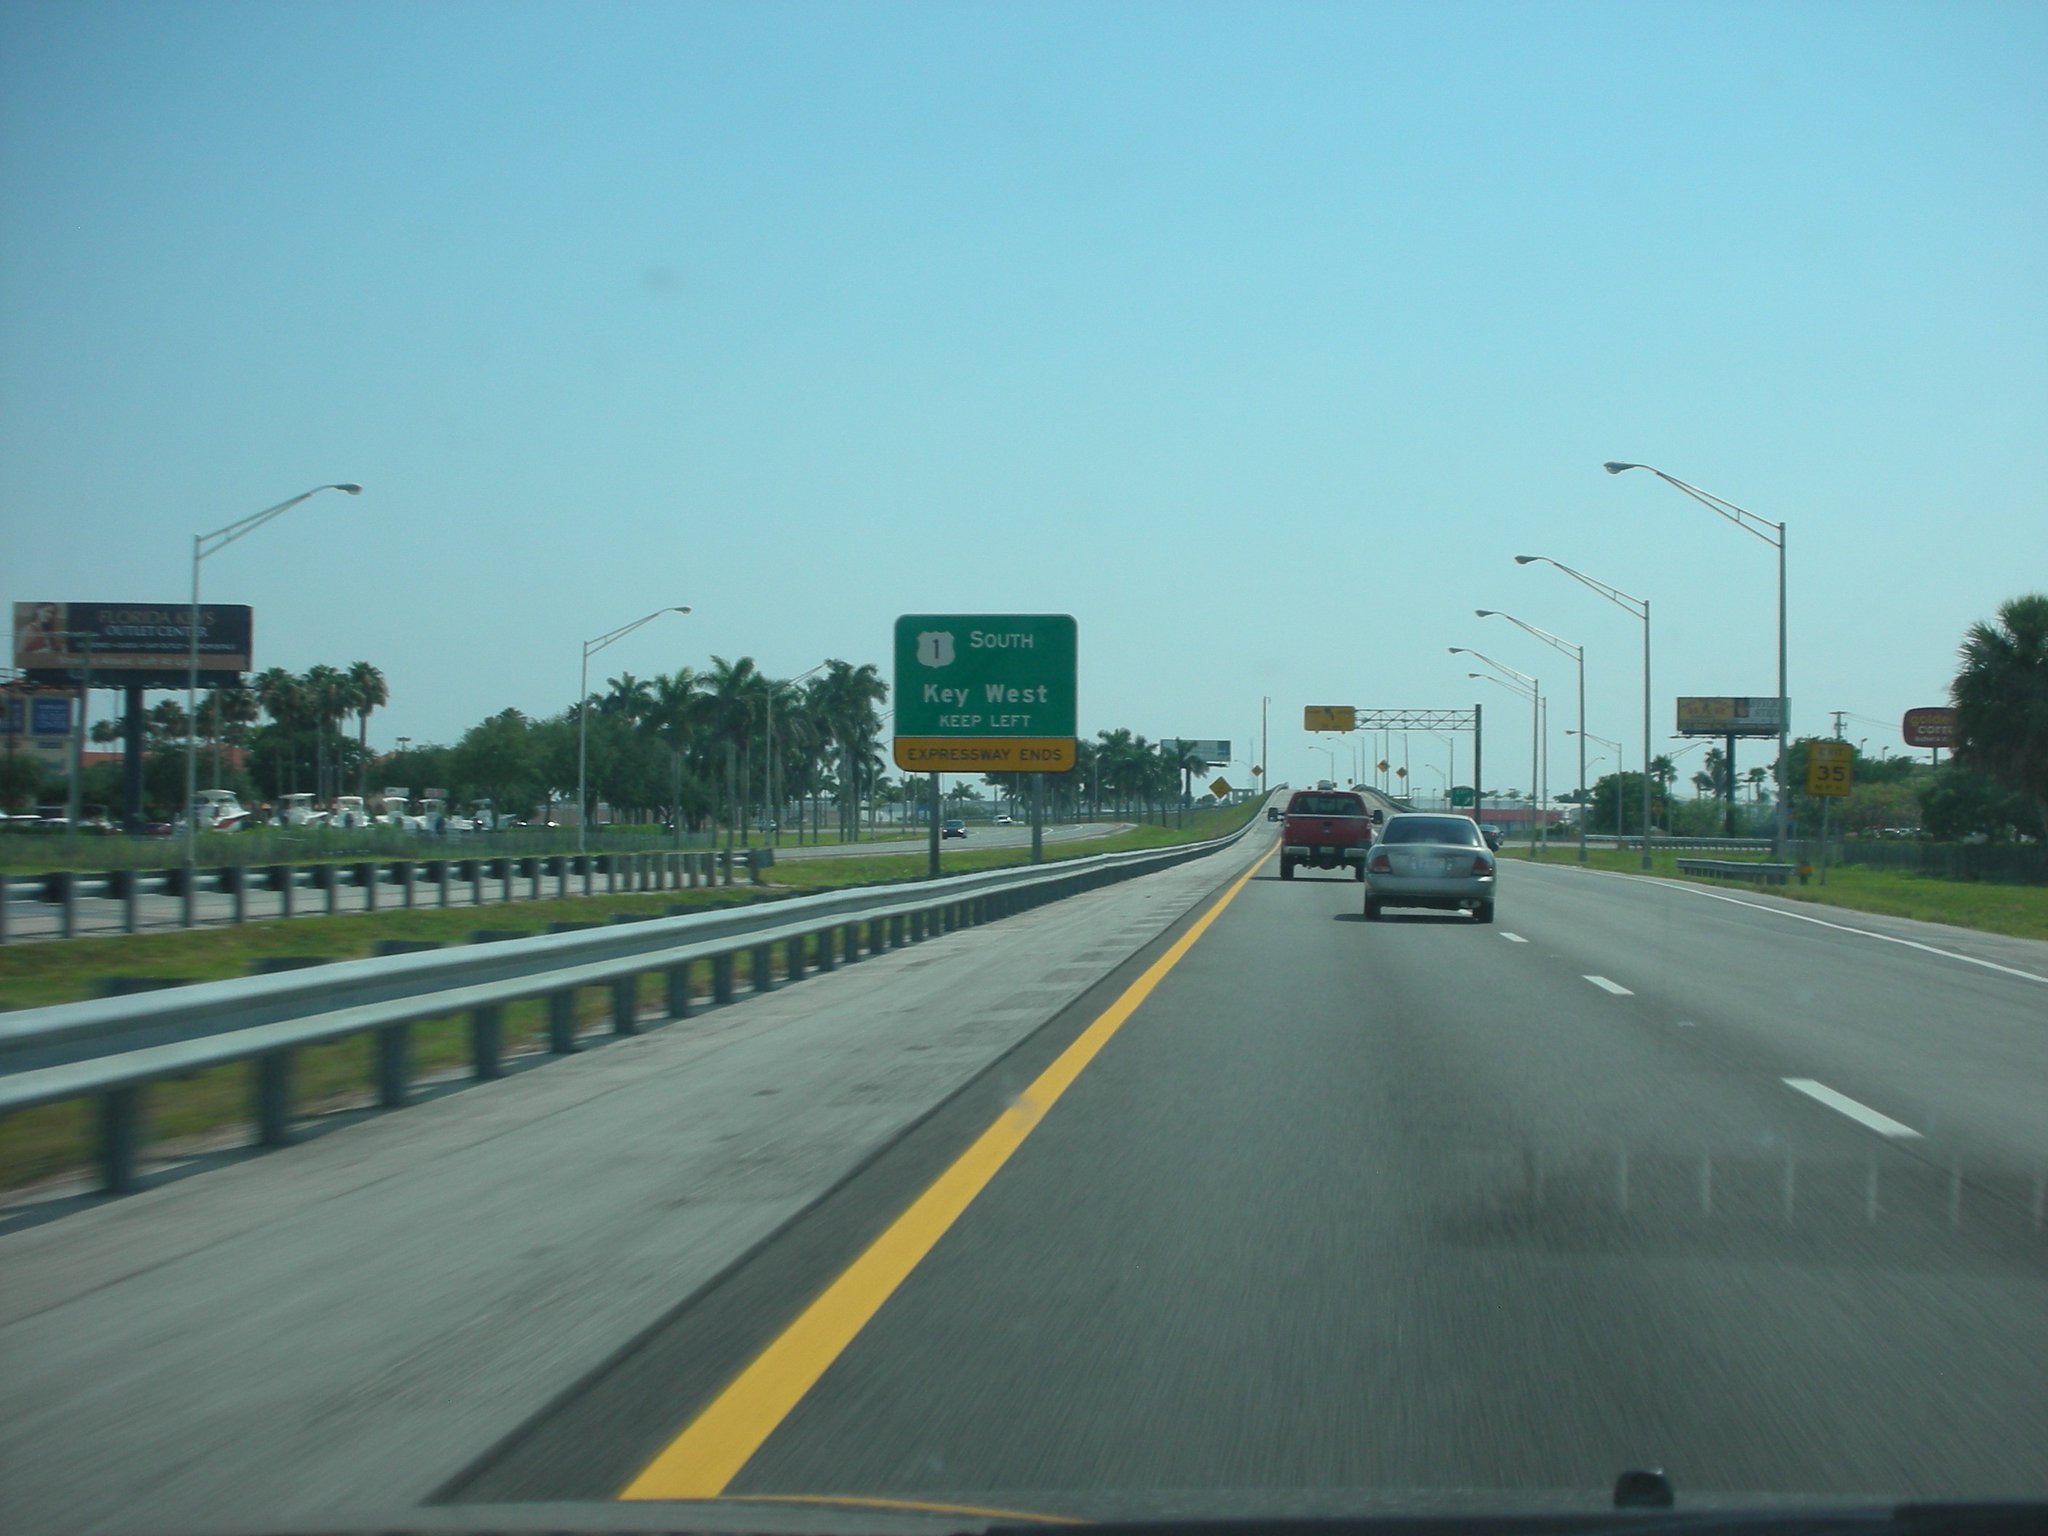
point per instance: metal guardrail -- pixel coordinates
(1739, 869)
(568, 874)
(111, 1049)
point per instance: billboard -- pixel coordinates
(145, 645)
(1930, 727)
(37, 715)
(1214, 753)
(1727, 716)
(1329, 717)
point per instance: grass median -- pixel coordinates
(38, 1144)
(2019, 911)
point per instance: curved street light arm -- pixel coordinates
(592, 647)
(1638, 606)
(209, 543)
(1576, 652)
(1526, 680)
(1748, 521)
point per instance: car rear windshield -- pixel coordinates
(1455, 830)
(1326, 805)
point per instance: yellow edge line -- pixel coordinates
(701, 1461)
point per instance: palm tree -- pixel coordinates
(629, 696)
(848, 697)
(675, 700)
(367, 690)
(728, 710)
(326, 694)
(278, 691)
(2000, 695)
(1191, 763)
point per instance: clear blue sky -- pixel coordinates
(1257, 337)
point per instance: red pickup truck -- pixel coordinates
(1327, 828)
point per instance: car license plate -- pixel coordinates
(1450, 866)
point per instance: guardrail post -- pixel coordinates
(120, 1138)
(626, 1006)
(918, 920)
(273, 1086)
(366, 877)
(721, 977)
(679, 990)
(589, 872)
(826, 938)
(764, 967)
(234, 879)
(562, 1022)
(324, 876)
(404, 869)
(285, 881)
(793, 958)
(65, 889)
(394, 1065)
(475, 871)
(3, 910)
(487, 1040)
(443, 872)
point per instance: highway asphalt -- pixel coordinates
(1261, 1206)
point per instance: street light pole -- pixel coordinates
(1755, 526)
(1640, 607)
(1619, 767)
(1535, 697)
(590, 649)
(1578, 655)
(204, 544)
(1532, 690)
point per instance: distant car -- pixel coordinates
(1494, 838)
(954, 829)
(1440, 862)
(1005, 821)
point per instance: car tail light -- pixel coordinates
(1380, 865)
(1482, 866)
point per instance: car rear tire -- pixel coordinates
(1359, 870)
(1483, 913)
(1372, 910)
(1287, 869)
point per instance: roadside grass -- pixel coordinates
(2019, 911)
(57, 1139)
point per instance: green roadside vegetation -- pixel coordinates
(41, 1143)
(2019, 911)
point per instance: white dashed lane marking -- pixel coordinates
(1610, 986)
(1862, 1114)
(1514, 938)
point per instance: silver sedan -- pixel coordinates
(1430, 861)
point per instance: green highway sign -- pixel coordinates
(986, 693)
(1461, 794)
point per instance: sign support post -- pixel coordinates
(932, 873)
(1038, 818)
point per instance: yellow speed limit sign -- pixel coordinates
(1827, 767)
